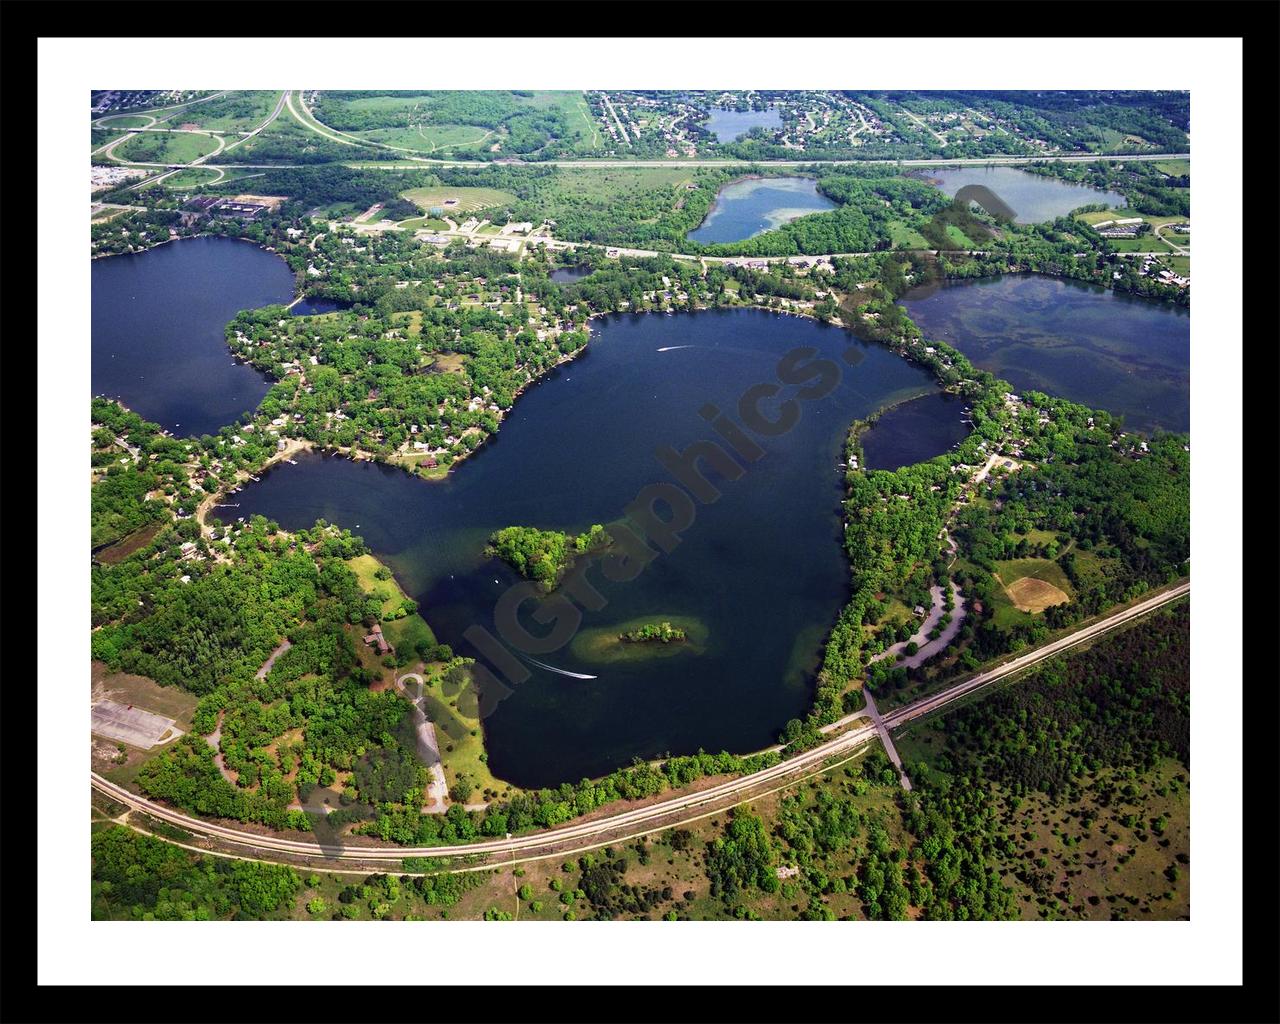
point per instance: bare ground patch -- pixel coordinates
(1032, 595)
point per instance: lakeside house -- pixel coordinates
(375, 639)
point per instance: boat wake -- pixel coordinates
(672, 348)
(559, 671)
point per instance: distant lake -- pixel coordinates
(727, 125)
(567, 275)
(915, 431)
(743, 209)
(762, 567)
(1101, 348)
(1034, 198)
(158, 322)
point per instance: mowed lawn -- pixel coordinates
(468, 199)
(365, 567)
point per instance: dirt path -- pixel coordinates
(266, 665)
(428, 747)
(214, 739)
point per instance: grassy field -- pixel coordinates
(166, 148)
(613, 182)
(197, 177)
(431, 138)
(365, 566)
(463, 756)
(100, 137)
(232, 113)
(1034, 584)
(1176, 168)
(468, 199)
(904, 237)
(424, 224)
(118, 121)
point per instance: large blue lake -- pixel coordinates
(1034, 198)
(158, 319)
(754, 205)
(1105, 349)
(762, 567)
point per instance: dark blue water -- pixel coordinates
(1033, 197)
(727, 125)
(313, 307)
(915, 431)
(762, 567)
(158, 321)
(567, 275)
(751, 206)
(1127, 355)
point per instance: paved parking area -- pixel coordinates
(132, 725)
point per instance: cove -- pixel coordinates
(762, 568)
(315, 307)
(158, 319)
(915, 431)
(751, 206)
(1128, 355)
(1034, 198)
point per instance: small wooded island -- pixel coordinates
(654, 632)
(543, 555)
(655, 635)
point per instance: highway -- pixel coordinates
(417, 163)
(652, 817)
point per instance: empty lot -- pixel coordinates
(132, 725)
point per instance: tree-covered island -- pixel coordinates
(543, 555)
(654, 632)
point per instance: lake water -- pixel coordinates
(915, 431)
(762, 567)
(727, 125)
(1033, 197)
(751, 206)
(567, 275)
(314, 307)
(1101, 348)
(158, 319)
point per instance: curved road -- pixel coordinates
(652, 816)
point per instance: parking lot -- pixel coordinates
(132, 725)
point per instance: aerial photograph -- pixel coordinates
(637, 505)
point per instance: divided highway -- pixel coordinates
(663, 814)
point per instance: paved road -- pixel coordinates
(417, 163)
(662, 814)
(872, 712)
(926, 648)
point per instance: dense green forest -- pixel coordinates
(140, 878)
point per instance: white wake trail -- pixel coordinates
(559, 671)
